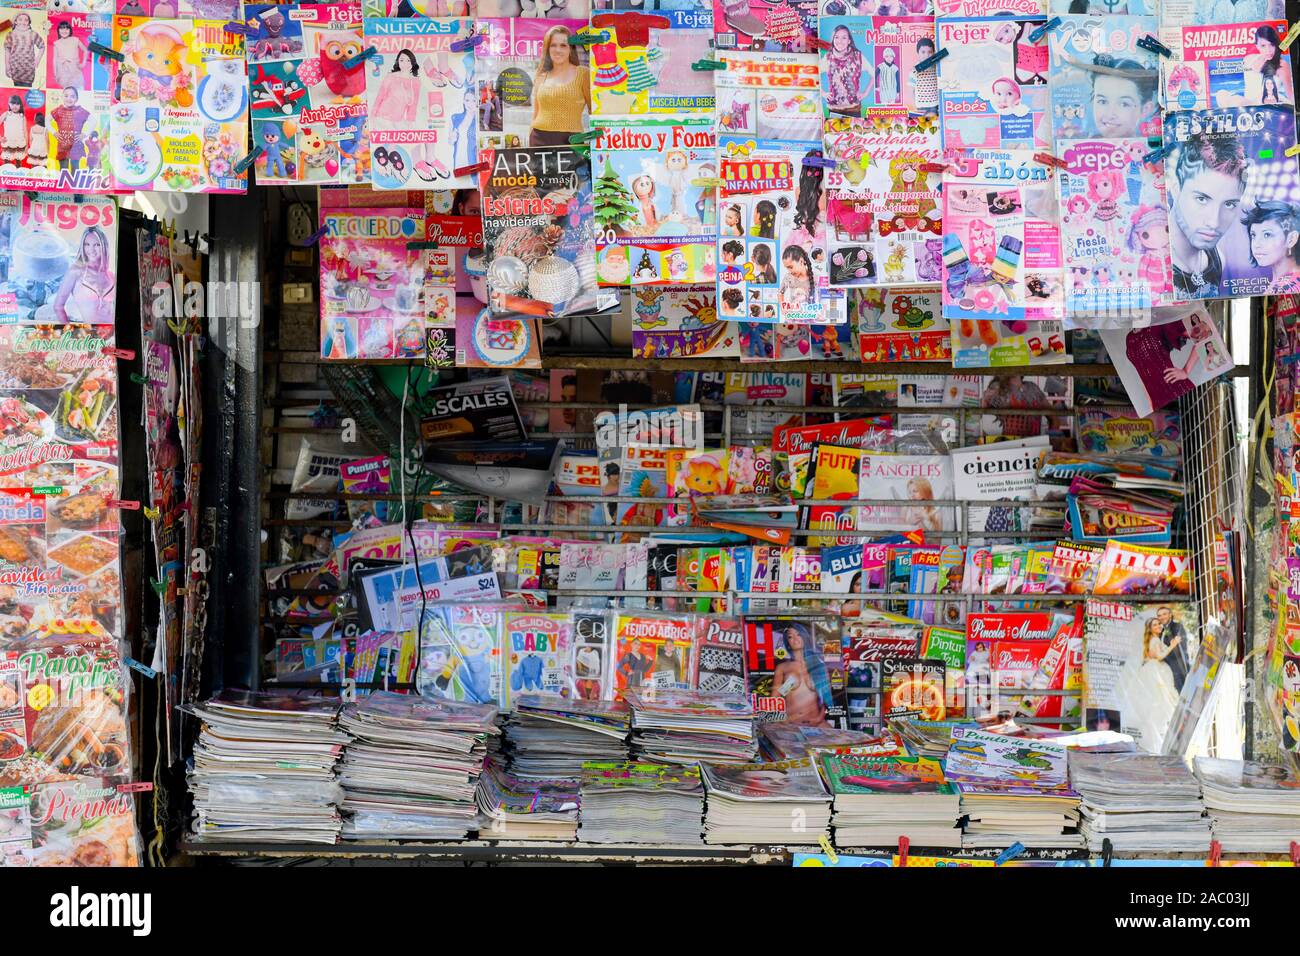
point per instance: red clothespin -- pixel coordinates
(819, 44)
(934, 167)
(1216, 852)
(467, 170)
(904, 844)
(1047, 159)
(124, 505)
(6, 25)
(124, 354)
(1295, 853)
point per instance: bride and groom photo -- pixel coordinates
(1148, 687)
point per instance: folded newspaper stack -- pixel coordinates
(1140, 802)
(549, 738)
(1253, 807)
(779, 802)
(519, 809)
(1013, 790)
(640, 803)
(881, 798)
(782, 740)
(410, 769)
(686, 726)
(264, 769)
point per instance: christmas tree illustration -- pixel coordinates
(614, 207)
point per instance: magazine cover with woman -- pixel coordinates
(1103, 84)
(423, 103)
(1001, 247)
(871, 61)
(993, 84)
(766, 249)
(1228, 65)
(1180, 349)
(796, 671)
(61, 259)
(534, 85)
(1136, 661)
(1114, 232)
(1234, 202)
(539, 233)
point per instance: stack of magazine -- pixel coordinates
(778, 802)
(549, 737)
(640, 803)
(1013, 790)
(518, 809)
(686, 726)
(881, 798)
(1140, 802)
(263, 769)
(782, 740)
(410, 769)
(1253, 807)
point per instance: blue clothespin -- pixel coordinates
(242, 166)
(1152, 45)
(821, 161)
(1159, 153)
(317, 236)
(135, 665)
(1010, 853)
(233, 27)
(469, 43)
(353, 62)
(929, 61)
(1038, 33)
(100, 50)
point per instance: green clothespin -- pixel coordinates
(139, 379)
(596, 132)
(701, 66)
(159, 587)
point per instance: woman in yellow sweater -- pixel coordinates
(561, 91)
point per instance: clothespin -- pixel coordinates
(242, 166)
(1152, 45)
(1039, 32)
(934, 167)
(903, 845)
(469, 170)
(1290, 37)
(123, 504)
(422, 244)
(823, 162)
(701, 66)
(819, 44)
(582, 149)
(139, 786)
(1047, 159)
(125, 354)
(929, 61)
(1216, 852)
(6, 25)
(139, 379)
(1010, 853)
(708, 182)
(233, 27)
(159, 587)
(317, 236)
(587, 39)
(829, 850)
(1107, 851)
(468, 43)
(105, 51)
(153, 514)
(353, 62)
(1295, 853)
(1157, 154)
(135, 665)
(183, 506)
(596, 132)
(1292, 150)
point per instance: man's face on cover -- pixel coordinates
(1206, 207)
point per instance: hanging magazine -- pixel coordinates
(1001, 243)
(538, 233)
(1181, 349)
(871, 62)
(1234, 198)
(785, 25)
(684, 323)
(993, 83)
(645, 64)
(423, 105)
(901, 325)
(1241, 64)
(1103, 84)
(1114, 232)
(770, 96)
(768, 200)
(654, 225)
(308, 107)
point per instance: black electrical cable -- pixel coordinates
(408, 503)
